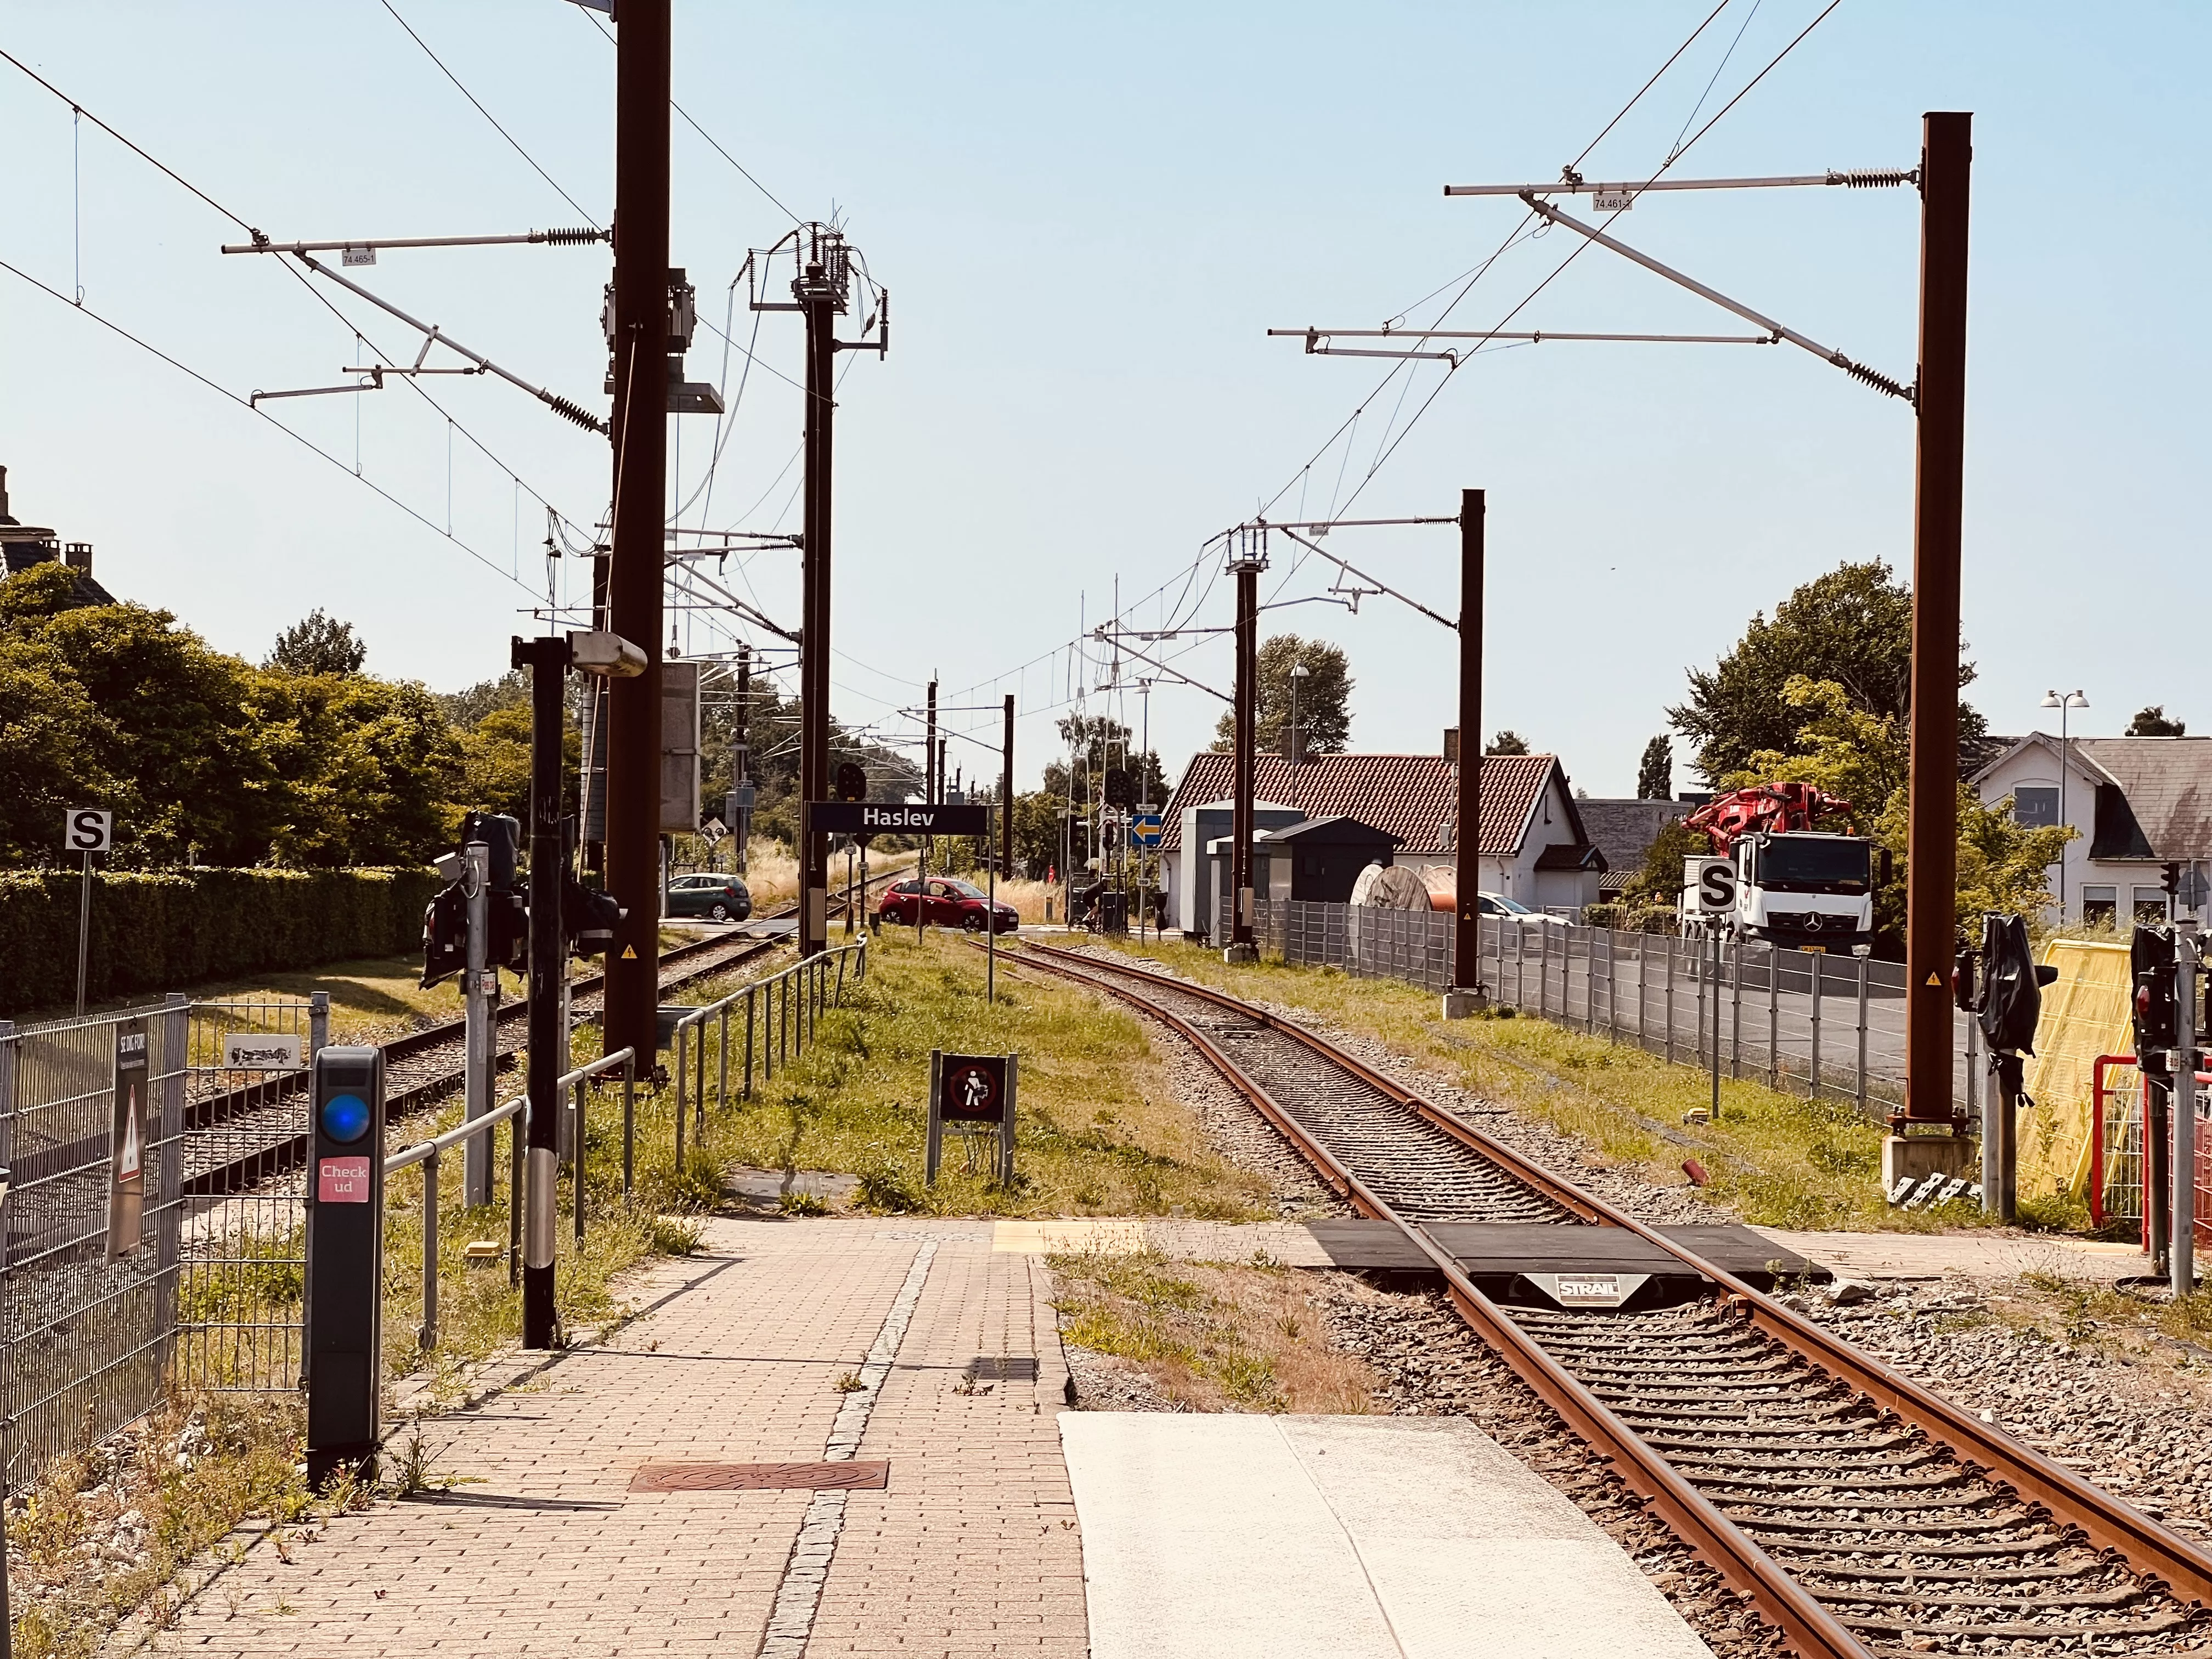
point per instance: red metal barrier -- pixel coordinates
(2097, 1152)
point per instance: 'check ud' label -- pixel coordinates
(342, 1181)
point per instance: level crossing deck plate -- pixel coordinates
(850, 1476)
(1492, 1253)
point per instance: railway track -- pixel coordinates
(1861, 1514)
(243, 1136)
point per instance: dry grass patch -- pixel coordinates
(1212, 1336)
(106, 1529)
(1774, 1159)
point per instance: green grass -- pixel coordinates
(1099, 1130)
(1776, 1159)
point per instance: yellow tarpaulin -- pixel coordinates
(2085, 1014)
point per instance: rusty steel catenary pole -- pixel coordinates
(1006, 796)
(1932, 846)
(1467, 843)
(1247, 568)
(820, 298)
(641, 493)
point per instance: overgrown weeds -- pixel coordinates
(1211, 1336)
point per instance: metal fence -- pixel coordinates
(105, 1292)
(1830, 1026)
(94, 1327)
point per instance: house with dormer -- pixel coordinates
(2136, 805)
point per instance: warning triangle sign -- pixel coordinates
(1934, 981)
(629, 953)
(126, 1163)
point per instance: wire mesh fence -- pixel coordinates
(1801, 1021)
(149, 1234)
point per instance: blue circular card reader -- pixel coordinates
(345, 1118)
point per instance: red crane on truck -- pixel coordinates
(1805, 876)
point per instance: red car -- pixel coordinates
(948, 903)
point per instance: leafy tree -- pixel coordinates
(1508, 743)
(1324, 698)
(317, 644)
(2151, 722)
(117, 705)
(1852, 626)
(1660, 879)
(466, 707)
(1841, 748)
(371, 769)
(49, 732)
(1097, 742)
(1654, 774)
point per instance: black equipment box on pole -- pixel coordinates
(345, 1262)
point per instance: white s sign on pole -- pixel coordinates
(86, 829)
(1716, 886)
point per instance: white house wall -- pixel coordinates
(2037, 766)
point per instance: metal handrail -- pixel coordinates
(427, 1153)
(815, 970)
(423, 1151)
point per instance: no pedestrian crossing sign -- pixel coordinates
(1145, 829)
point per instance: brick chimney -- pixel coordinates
(4, 519)
(78, 556)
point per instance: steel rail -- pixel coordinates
(2151, 1550)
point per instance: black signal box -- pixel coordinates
(345, 1262)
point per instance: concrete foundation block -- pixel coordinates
(1921, 1155)
(1241, 956)
(1464, 1004)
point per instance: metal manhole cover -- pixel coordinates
(762, 1477)
(1002, 1368)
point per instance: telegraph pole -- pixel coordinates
(820, 292)
(1246, 566)
(1466, 994)
(1932, 789)
(1006, 796)
(641, 506)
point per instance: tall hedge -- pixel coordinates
(164, 931)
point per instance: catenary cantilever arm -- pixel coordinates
(1382, 587)
(1857, 371)
(432, 336)
(1132, 651)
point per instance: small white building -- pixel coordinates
(2136, 805)
(1534, 846)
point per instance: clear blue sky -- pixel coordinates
(1088, 219)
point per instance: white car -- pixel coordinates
(1496, 904)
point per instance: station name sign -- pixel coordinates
(874, 817)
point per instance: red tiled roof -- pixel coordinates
(1415, 796)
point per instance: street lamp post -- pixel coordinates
(2063, 702)
(1297, 673)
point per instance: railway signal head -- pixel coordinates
(590, 917)
(2156, 1023)
(852, 781)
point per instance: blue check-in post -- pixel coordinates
(345, 1262)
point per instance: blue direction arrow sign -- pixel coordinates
(1145, 829)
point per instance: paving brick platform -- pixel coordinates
(969, 1548)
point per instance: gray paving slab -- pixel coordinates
(1248, 1537)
